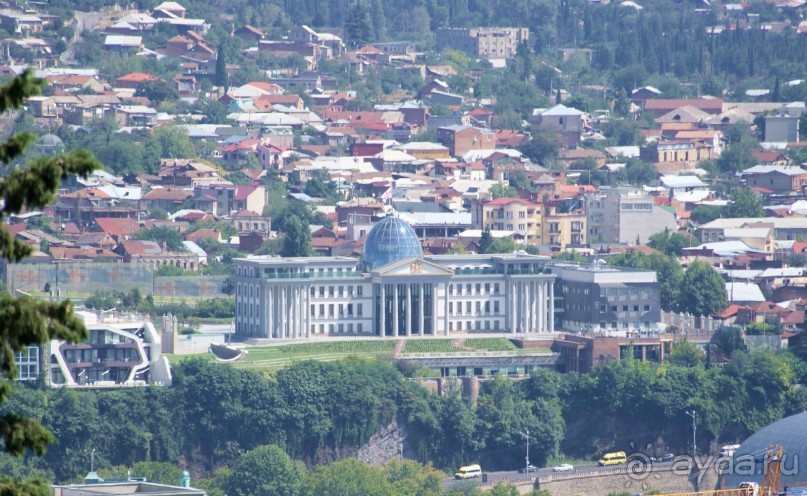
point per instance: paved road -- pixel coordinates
(514, 475)
(83, 21)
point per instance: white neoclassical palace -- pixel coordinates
(394, 290)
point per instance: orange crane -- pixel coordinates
(770, 484)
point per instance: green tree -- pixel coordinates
(706, 213)
(222, 76)
(358, 26)
(348, 477)
(163, 235)
(668, 271)
(172, 142)
(266, 470)
(685, 354)
(157, 91)
(319, 185)
(669, 243)
(26, 321)
(501, 191)
(503, 489)
(744, 202)
(704, 290)
(543, 145)
(486, 241)
(297, 241)
(408, 477)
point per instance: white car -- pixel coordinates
(564, 467)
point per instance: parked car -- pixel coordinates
(563, 467)
(667, 457)
(528, 469)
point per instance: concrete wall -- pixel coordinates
(666, 481)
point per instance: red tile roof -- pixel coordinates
(137, 77)
(242, 192)
(117, 227)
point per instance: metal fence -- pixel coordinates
(77, 280)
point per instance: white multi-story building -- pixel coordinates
(117, 353)
(394, 290)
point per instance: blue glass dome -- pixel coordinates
(791, 433)
(390, 240)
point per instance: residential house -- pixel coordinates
(564, 224)
(285, 49)
(250, 33)
(187, 172)
(151, 253)
(565, 121)
(83, 206)
(770, 157)
(657, 107)
(169, 199)
(119, 229)
(522, 217)
(123, 44)
(224, 199)
(247, 222)
(776, 179)
(483, 42)
(462, 139)
(437, 97)
(781, 128)
(685, 153)
(625, 215)
(75, 83)
(134, 79)
(171, 9)
(305, 34)
(21, 24)
(135, 116)
(581, 158)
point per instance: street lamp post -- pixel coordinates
(526, 434)
(694, 430)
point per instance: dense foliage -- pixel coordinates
(27, 321)
(320, 412)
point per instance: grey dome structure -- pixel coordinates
(390, 240)
(749, 458)
(50, 144)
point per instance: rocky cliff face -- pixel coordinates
(387, 443)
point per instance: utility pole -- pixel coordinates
(526, 434)
(694, 430)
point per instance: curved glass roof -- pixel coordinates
(748, 461)
(389, 241)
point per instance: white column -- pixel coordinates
(551, 306)
(270, 316)
(382, 331)
(289, 312)
(435, 321)
(540, 306)
(408, 309)
(307, 310)
(544, 308)
(421, 320)
(513, 315)
(283, 320)
(528, 306)
(395, 310)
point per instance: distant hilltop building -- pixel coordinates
(486, 43)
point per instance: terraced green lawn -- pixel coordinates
(267, 358)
